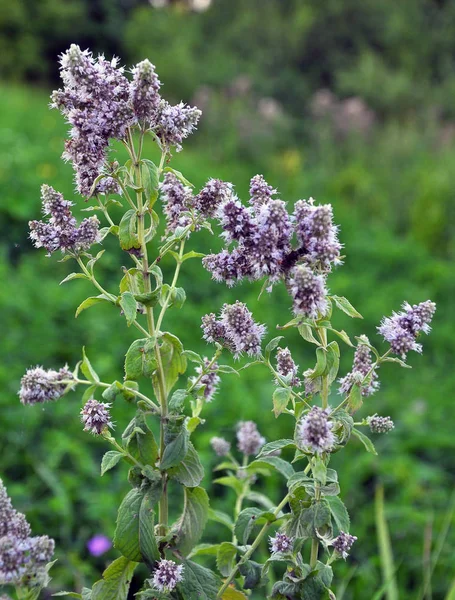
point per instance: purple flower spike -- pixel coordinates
(99, 544)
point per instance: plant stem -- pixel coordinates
(154, 407)
(172, 288)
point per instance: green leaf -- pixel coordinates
(260, 499)
(129, 307)
(321, 363)
(220, 517)
(319, 470)
(177, 401)
(188, 529)
(111, 393)
(252, 572)
(307, 519)
(126, 538)
(140, 359)
(339, 513)
(116, 581)
(204, 550)
(231, 482)
(275, 462)
(394, 359)
(198, 582)
(190, 471)
(227, 369)
(70, 594)
(175, 451)
(355, 398)
(87, 369)
(193, 356)
(192, 254)
(245, 523)
(307, 334)
(225, 558)
(333, 361)
(141, 442)
(274, 446)
(344, 305)
(89, 393)
(272, 345)
(179, 176)
(127, 231)
(70, 277)
(281, 397)
(88, 302)
(173, 360)
(147, 542)
(365, 441)
(344, 336)
(110, 459)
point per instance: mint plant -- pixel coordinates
(308, 529)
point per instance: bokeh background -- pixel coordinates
(350, 102)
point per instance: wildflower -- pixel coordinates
(379, 424)
(260, 191)
(286, 366)
(144, 91)
(96, 416)
(401, 329)
(317, 234)
(361, 368)
(167, 575)
(39, 385)
(11, 522)
(99, 544)
(236, 220)
(177, 200)
(210, 379)
(214, 331)
(226, 266)
(249, 439)
(212, 195)
(61, 232)
(281, 543)
(314, 431)
(343, 544)
(175, 123)
(220, 446)
(308, 291)
(241, 330)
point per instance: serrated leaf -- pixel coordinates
(87, 369)
(339, 513)
(251, 572)
(333, 362)
(199, 583)
(141, 443)
(175, 451)
(70, 277)
(227, 369)
(319, 470)
(230, 481)
(307, 334)
(281, 397)
(129, 307)
(127, 231)
(365, 441)
(177, 401)
(190, 471)
(147, 541)
(189, 527)
(173, 360)
(220, 517)
(344, 336)
(272, 345)
(192, 254)
(116, 581)
(232, 594)
(193, 356)
(92, 301)
(321, 363)
(110, 459)
(343, 304)
(274, 446)
(126, 538)
(245, 523)
(355, 398)
(225, 558)
(275, 462)
(140, 359)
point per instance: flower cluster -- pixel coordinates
(379, 424)
(177, 201)
(249, 440)
(220, 446)
(314, 431)
(61, 231)
(343, 544)
(167, 575)
(308, 291)
(281, 543)
(402, 329)
(235, 329)
(96, 416)
(209, 380)
(39, 385)
(286, 367)
(100, 104)
(361, 368)
(22, 558)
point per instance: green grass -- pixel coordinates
(393, 197)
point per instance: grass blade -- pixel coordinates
(385, 546)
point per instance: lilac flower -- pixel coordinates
(236, 220)
(260, 191)
(249, 439)
(226, 266)
(39, 385)
(175, 123)
(177, 200)
(210, 379)
(61, 232)
(317, 234)
(343, 544)
(214, 331)
(241, 330)
(99, 544)
(213, 194)
(286, 366)
(379, 424)
(167, 575)
(12, 522)
(401, 329)
(361, 367)
(96, 416)
(281, 543)
(314, 431)
(144, 91)
(308, 291)
(220, 446)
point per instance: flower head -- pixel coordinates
(167, 575)
(401, 329)
(286, 366)
(260, 191)
(360, 369)
(96, 416)
(175, 123)
(314, 431)
(212, 195)
(177, 201)
(226, 266)
(99, 544)
(379, 424)
(250, 441)
(220, 446)
(343, 544)
(281, 543)
(144, 91)
(308, 292)
(39, 385)
(210, 379)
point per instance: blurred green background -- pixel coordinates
(351, 103)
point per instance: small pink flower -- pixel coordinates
(99, 544)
